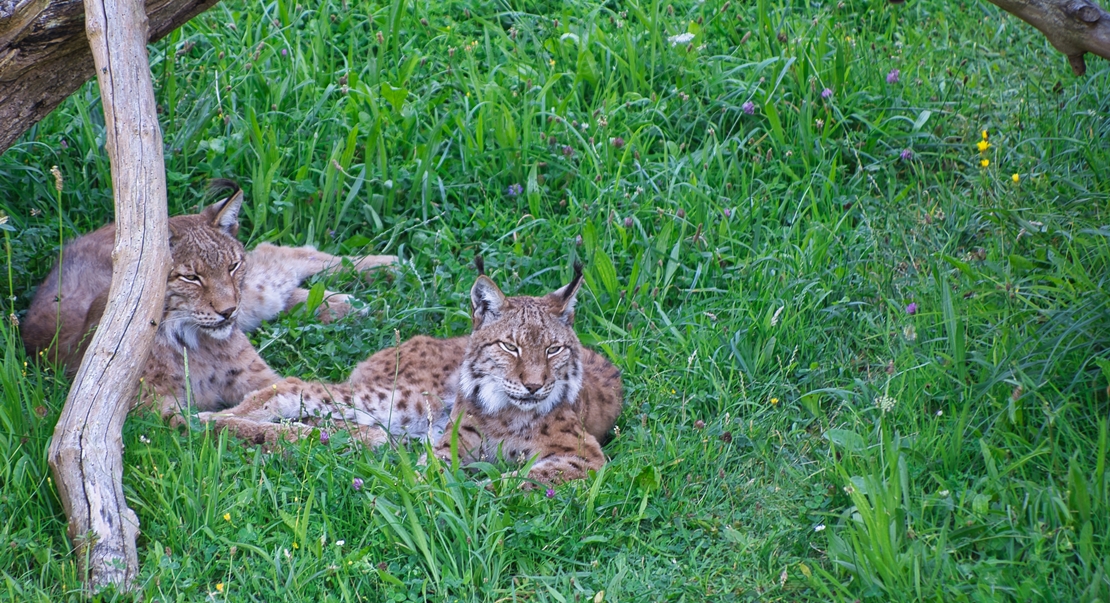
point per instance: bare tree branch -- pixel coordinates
(86, 451)
(1074, 27)
(44, 55)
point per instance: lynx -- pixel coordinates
(215, 291)
(519, 387)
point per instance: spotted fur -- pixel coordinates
(215, 291)
(520, 387)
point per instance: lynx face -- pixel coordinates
(206, 279)
(523, 351)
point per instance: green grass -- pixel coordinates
(748, 272)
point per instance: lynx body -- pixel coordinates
(214, 292)
(520, 386)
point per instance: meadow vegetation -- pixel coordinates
(851, 257)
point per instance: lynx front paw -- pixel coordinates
(334, 307)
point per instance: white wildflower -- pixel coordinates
(684, 38)
(885, 403)
(819, 528)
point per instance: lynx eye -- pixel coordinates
(233, 267)
(508, 347)
(190, 278)
(553, 350)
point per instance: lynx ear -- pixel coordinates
(563, 299)
(225, 214)
(487, 301)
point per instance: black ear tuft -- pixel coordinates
(480, 264)
(572, 288)
(563, 298)
(219, 185)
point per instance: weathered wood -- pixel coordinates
(1074, 27)
(86, 451)
(44, 54)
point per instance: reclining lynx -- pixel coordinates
(215, 291)
(519, 386)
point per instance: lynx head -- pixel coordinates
(206, 274)
(523, 351)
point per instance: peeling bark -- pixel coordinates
(1074, 27)
(87, 448)
(44, 55)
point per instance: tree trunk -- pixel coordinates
(1074, 27)
(86, 451)
(44, 56)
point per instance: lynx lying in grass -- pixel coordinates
(215, 291)
(519, 386)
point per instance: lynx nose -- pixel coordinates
(227, 312)
(532, 387)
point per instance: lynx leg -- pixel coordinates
(370, 435)
(257, 432)
(469, 439)
(559, 467)
(288, 400)
(367, 263)
(274, 275)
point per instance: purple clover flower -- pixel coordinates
(826, 93)
(906, 154)
(894, 76)
(628, 222)
(324, 437)
(617, 142)
(356, 484)
(550, 493)
(748, 107)
(911, 309)
(514, 189)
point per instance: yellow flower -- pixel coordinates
(1015, 178)
(227, 516)
(774, 401)
(984, 134)
(295, 547)
(983, 145)
(551, 62)
(219, 587)
(984, 162)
